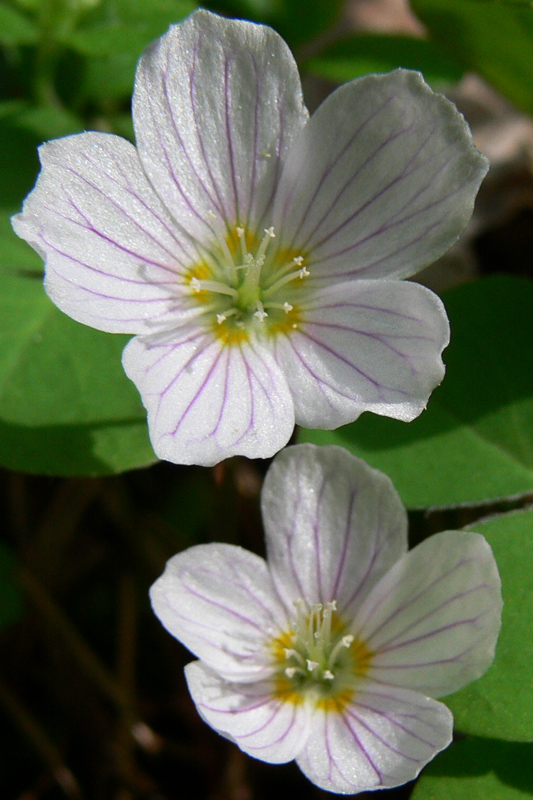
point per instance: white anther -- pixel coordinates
(261, 314)
(311, 665)
(287, 307)
(347, 640)
(294, 325)
(289, 652)
(195, 285)
(328, 675)
(240, 231)
(248, 258)
(298, 260)
(290, 672)
(303, 272)
(211, 214)
(332, 605)
(270, 232)
(221, 318)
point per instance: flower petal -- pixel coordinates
(218, 600)
(433, 620)
(249, 714)
(383, 738)
(113, 254)
(216, 105)
(207, 401)
(381, 181)
(364, 346)
(333, 526)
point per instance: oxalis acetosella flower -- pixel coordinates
(255, 252)
(332, 650)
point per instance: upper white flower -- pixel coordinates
(256, 252)
(331, 652)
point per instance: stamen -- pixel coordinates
(287, 307)
(213, 286)
(269, 234)
(328, 675)
(291, 276)
(311, 665)
(261, 314)
(242, 237)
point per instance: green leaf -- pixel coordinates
(15, 28)
(126, 26)
(360, 54)
(299, 21)
(500, 704)
(494, 38)
(478, 769)
(113, 38)
(10, 593)
(66, 407)
(475, 440)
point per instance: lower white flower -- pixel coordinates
(332, 651)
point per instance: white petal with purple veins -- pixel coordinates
(216, 105)
(381, 181)
(333, 526)
(365, 346)
(263, 726)
(113, 254)
(219, 600)
(207, 401)
(433, 619)
(382, 738)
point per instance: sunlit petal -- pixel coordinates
(381, 181)
(207, 401)
(217, 103)
(383, 738)
(250, 714)
(333, 526)
(220, 602)
(432, 622)
(365, 346)
(113, 255)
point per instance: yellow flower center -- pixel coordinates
(249, 285)
(317, 658)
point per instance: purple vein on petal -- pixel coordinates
(365, 205)
(330, 167)
(131, 191)
(316, 536)
(413, 598)
(359, 745)
(352, 715)
(376, 337)
(346, 538)
(378, 386)
(469, 621)
(237, 614)
(90, 227)
(407, 172)
(370, 566)
(192, 86)
(393, 641)
(229, 140)
(280, 738)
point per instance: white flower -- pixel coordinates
(330, 652)
(256, 252)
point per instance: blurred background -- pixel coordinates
(93, 703)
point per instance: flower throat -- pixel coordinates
(244, 288)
